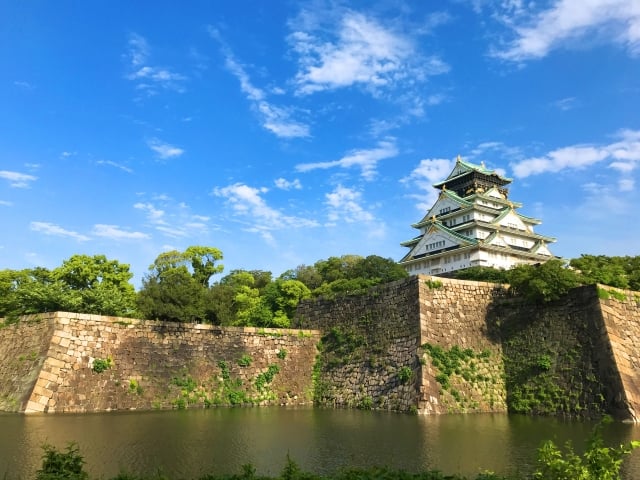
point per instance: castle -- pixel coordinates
(473, 223)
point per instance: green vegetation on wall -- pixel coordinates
(552, 373)
(461, 372)
(225, 388)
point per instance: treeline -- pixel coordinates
(180, 286)
(550, 280)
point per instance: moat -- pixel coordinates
(186, 444)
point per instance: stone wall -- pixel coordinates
(151, 365)
(470, 347)
(620, 334)
(368, 355)
(23, 350)
(458, 317)
(372, 348)
(423, 344)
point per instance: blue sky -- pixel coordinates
(287, 132)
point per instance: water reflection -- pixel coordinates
(186, 444)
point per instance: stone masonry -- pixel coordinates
(151, 364)
(381, 350)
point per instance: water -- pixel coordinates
(186, 444)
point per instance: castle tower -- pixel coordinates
(473, 223)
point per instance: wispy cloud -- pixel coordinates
(17, 179)
(164, 150)
(345, 204)
(114, 232)
(565, 104)
(150, 78)
(284, 184)
(23, 85)
(277, 119)
(6, 203)
(356, 51)
(56, 230)
(154, 215)
(173, 219)
(115, 165)
(623, 155)
(428, 172)
(247, 203)
(365, 159)
(567, 21)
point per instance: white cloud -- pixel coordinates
(622, 154)
(569, 21)
(56, 230)
(345, 204)
(366, 159)
(147, 77)
(626, 184)
(163, 149)
(116, 233)
(17, 179)
(565, 104)
(428, 172)
(623, 167)
(173, 219)
(284, 184)
(23, 85)
(115, 165)
(154, 215)
(247, 202)
(579, 156)
(601, 202)
(357, 50)
(5, 203)
(278, 120)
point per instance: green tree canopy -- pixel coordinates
(177, 285)
(83, 284)
(543, 282)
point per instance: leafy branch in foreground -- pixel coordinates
(597, 462)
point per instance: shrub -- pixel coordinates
(544, 363)
(245, 360)
(405, 374)
(102, 364)
(597, 462)
(67, 465)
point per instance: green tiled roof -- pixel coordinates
(468, 167)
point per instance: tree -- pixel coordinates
(283, 296)
(307, 274)
(96, 285)
(172, 295)
(199, 260)
(602, 269)
(177, 285)
(81, 284)
(374, 267)
(542, 282)
(31, 291)
(483, 274)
